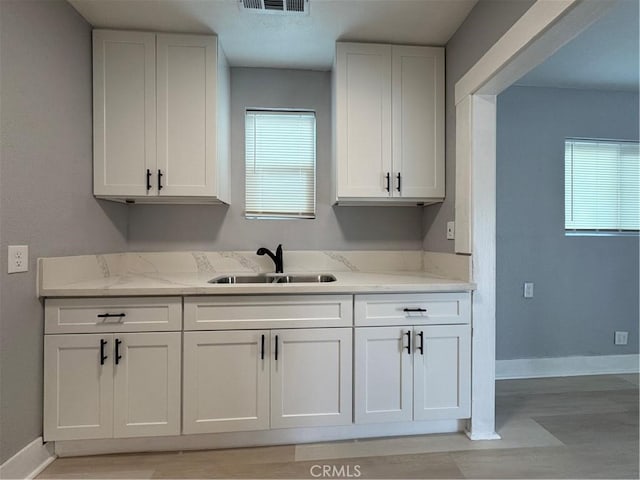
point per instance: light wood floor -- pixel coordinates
(573, 427)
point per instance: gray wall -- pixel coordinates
(585, 287)
(184, 227)
(45, 188)
(486, 23)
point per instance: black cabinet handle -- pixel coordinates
(409, 310)
(262, 348)
(112, 315)
(159, 180)
(398, 177)
(421, 347)
(103, 357)
(408, 347)
(388, 178)
(148, 179)
(118, 356)
(276, 347)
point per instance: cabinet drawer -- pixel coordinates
(260, 312)
(91, 315)
(412, 309)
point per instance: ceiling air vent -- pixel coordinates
(282, 7)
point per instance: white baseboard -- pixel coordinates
(29, 461)
(566, 366)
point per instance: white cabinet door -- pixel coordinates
(418, 122)
(383, 375)
(78, 387)
(442, 372)
(186, 72)
(147, 384)
(226, 381)
(124, 112)
(311, 377)
(363, 120)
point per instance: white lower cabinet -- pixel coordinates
(405, 373)
(239, 380)
(111, 385)
(408, 358)
(78, 387)
(146, 384)
(311, 377)
(442, 372)
(226, 381)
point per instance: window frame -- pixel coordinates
(274, 215)
(594, 232)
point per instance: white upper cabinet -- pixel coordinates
(388, 124)
(418, 122)
(363, 119)
(124, 112)
(161, 118)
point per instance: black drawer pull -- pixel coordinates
(148, 179)
(388, 179)
(118, 356)
(262, 348)
(421, 346)
(160, 187)
(398, 177)
(409, 310)
(276, 347)
(103, 357)
(112, 315)
(408, 347)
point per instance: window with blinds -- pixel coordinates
(601, 186)
(280, 164)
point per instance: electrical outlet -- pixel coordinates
(528, 290)
(18, 258)
(451, 230)
(621, 338)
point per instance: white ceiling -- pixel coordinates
(302, 42)
(603, 57)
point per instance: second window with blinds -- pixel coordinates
(280, 164)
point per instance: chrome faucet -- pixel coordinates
(277, 258)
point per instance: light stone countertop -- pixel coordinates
(197, 284)
(188, 273)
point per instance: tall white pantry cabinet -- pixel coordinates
(388, 107)
(161, 117)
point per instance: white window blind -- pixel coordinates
(602, 184)
(280, 164)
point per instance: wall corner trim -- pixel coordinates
(29, 461)
(566, 366)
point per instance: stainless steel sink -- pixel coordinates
(277, 278)
(306, 278)
(242, 279)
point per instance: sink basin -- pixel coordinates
(306, 278)
(242, 279)
(275, 278)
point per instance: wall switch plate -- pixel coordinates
(451, 230)
(528, 290)
(621, 338)
(18, 258)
